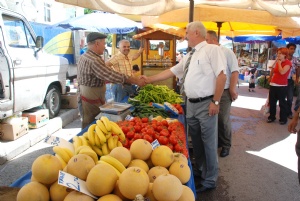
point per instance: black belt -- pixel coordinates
(197, 100)
(226, 89)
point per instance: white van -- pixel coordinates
(28, 77)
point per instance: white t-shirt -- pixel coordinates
(206, 64)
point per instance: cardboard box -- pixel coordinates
(38, 118)
(12, 131)
(69, 101)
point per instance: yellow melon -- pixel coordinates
(80, 165)
(180, 157)
(75, 195)
(139, 163)
(140, 149)
(156, 171)
(45, 168)
(149, 193)
(110, 197)
(181, 170)
(187, 194)
(133, 181)
(122, 154)
(58, 192)
(117, 192)
(167, 187)
(101, 180)
(33, 191)
(162, 156)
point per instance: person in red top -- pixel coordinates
(278, 86)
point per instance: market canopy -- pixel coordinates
(234, 21)
(100, 21)
(157, 7)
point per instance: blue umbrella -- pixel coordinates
(254, 38)
(295, 40)
(100, 22)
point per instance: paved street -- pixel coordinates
(262, 164)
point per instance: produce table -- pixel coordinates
(26, 178)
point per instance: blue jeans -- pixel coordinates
(120, 91)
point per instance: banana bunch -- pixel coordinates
(115, 163)
(102, 137)
(84, 149)
(63, 154)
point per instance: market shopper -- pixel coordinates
(292, 128)
(229, 95)
(122, 63)
(203, 75)
(92, 77)
(278, 86)
(293, 73)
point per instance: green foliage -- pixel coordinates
(88, 11)
(261, 82)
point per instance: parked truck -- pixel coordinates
(29, 77)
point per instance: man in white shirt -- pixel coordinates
(203, 84)
(229, 95)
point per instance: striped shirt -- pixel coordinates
(93, 72)
(122, 63)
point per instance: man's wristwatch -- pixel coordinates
(215, 102)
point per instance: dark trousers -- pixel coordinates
(278, 93)
(224, 123)
(290, 95)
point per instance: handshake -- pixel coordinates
(141, 80)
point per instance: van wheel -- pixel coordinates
(53, 101)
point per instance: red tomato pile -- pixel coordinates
(178, 107)
(169, 134)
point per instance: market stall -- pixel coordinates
(134, 123)
(159, 54)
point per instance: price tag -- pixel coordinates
(128, 117)
(70, 181)
(57, 141)
(155, 144)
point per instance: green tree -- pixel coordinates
(88, 11)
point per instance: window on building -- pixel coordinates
(47, 13)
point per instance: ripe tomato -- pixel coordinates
(170, 146)
(137, 136)
(145, 120)
(164, 123)
(148, 138)
(150, 131)
(163, 140)
(130, 134)
(125, 129)
(178, 148)
(173, 139)
(164, 132)
(137, 128)
(126, 143)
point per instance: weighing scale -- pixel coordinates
(114, 111)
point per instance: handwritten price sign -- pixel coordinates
(70, 181)
(57, 141)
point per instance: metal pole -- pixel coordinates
(219, 25)
(191, 13)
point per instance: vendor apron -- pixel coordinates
(92, 98)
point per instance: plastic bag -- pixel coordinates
(266, 107)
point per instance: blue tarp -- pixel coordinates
(101, 22)
(254, 38)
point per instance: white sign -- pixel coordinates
(57, 141)
(70, 181)
(155, 144)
